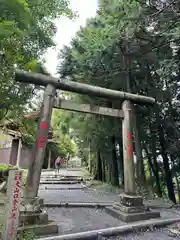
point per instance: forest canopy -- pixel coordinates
(131, 46)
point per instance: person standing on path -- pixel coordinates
(57, 163)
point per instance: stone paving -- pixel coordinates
(78, 195)
(62, 186)
(72, 220)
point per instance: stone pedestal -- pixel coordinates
(131, 209)
(32, 216)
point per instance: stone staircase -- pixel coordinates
(58, 179)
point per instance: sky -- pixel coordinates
(66, 29)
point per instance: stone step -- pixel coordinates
(61, 179)
(126, 209)
(3, 201)
(60, 175)
(50, 228)
(78, 204)
(59, 182)
(33, 218)
(65, 177)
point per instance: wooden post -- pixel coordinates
(49, 159)
(89, 157)
(127, 129)
(12, 207)
(19, 153)
(35, 168)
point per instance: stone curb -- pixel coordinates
(77, 205)
(69, 188)
(151, 206)
(95, 234)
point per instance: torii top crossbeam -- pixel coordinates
(40, 79)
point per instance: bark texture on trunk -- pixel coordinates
(99, 167)
(115, 172)
(140, 173)
(155, 173)
(167, 170)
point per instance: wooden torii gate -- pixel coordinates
(129, 201)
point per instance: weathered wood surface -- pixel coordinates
(87, 108)
(127, 129)
(35, 168)
(40, 79)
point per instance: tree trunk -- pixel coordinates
(103, 170)
(167, 171)
(121, 162)
(178, 186)
(99, 167)
(155, 172)
(89, 158)
(176, 177)
(109, 172)
(154, 164)
(150, 182)
(140, 173)
(115, 172)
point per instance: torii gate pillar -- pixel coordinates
(131, 206)
(35, 168)
(31, 211)
(127, 132)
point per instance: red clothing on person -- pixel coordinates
(58, 160)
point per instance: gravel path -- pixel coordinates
(78, 195)
(72, 220)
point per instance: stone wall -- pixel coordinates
(5, 147)
(9, 151)
(14, 151)
(26, 156)
(5, 155)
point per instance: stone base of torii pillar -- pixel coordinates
(33, 216)
(130, 208)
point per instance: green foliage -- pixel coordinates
(28, 140)
(5, 167)
(26, 31)
(27, 235)
(60, 124)
(128, 46)
(66, 146)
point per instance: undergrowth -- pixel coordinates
(26, 235)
